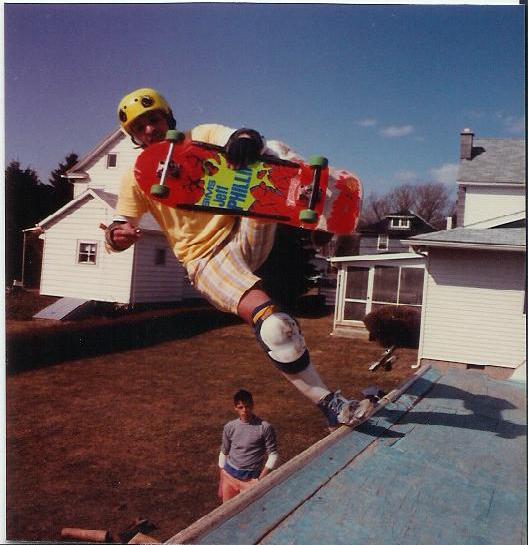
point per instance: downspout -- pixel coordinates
(132, 296)
(419, 250)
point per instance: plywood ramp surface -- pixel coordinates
(443, 463)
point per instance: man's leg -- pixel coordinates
(280, 335)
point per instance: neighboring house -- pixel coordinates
(474, 306)
(384, 272)
(385, 236)
(75, 262)
(491, 178)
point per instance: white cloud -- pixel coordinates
(406, 176)
(446, 174)
(395, 132)
(368, 122)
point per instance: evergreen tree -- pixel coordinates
(62, 188)
(287, 271)
(26, 199)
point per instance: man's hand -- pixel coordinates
(121, 235)
(244, 147)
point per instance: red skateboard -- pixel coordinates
(195, 175)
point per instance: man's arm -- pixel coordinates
(271, 462)
(122, 233)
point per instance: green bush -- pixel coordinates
(394, 325)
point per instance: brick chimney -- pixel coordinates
(466, 143)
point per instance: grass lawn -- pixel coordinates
(99, 441)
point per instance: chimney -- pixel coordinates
(466, 144)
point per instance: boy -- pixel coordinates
(249, 449)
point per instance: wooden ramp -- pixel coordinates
(444, 462)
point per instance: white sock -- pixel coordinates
(309, 383)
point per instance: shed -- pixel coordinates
(76, 263)
(474, 306)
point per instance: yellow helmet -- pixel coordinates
(137, 103)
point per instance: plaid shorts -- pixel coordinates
(227, 274)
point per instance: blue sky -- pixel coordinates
(383, 91)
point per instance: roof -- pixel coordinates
(383, 225)
(77, 170)
(495, 161)
(147, 222)
(505, 220)
(505, 239)
(443, 463)
(376, 257)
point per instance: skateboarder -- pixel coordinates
(249, 449)
(221, 252)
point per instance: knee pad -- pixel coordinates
(280, 336)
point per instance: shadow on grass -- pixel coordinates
(74, 340)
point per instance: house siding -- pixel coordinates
(109, 179)
(63, 276)
(475, 308)
(157, 283)
(369, 246)
(482, 203)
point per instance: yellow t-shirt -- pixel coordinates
(191, 234)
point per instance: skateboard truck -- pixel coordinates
(373, 393)
(386, 359)
(309, 215)
(161, 190)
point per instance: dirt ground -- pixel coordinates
(100, 441)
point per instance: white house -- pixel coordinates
(75, 263)
(474, 303)
(491, 178)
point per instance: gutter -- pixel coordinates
(466, 245)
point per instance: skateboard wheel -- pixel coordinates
(318, 161)
(308, 216)
(160, 191)
(174, 136)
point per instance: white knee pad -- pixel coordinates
(282, 339)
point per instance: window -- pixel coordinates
(411, 286)
(87, 253)
(368, 288)
(385, 284)
(160, 257)
(400, 223)
(111, 160)
(383, 242)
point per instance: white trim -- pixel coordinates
(107, 141)
(89, 192)
(494, 184)
(376, 257)
(497, 221)
(466, 245)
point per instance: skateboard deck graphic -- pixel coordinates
(195, 175)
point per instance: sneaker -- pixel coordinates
(339, 410)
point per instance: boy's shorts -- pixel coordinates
(227, 274)
(230, 487)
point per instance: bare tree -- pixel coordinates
(432, 201)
